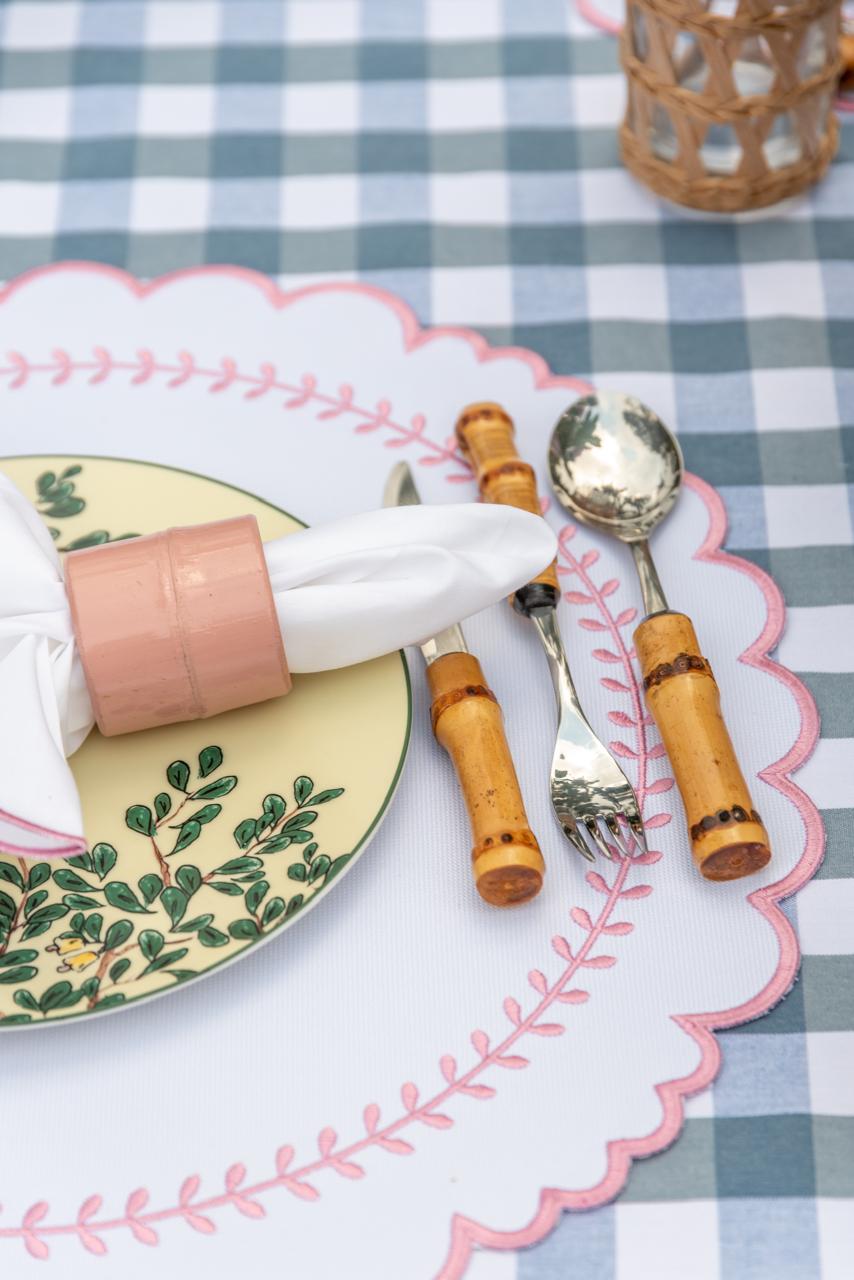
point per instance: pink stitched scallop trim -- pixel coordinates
(466, 1234)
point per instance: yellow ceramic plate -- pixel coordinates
(206, 838)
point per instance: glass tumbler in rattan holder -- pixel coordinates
(730, 102)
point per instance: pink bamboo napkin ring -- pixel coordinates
(178, 625)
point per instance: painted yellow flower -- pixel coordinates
(77, 953)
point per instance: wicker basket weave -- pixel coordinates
(730, 110)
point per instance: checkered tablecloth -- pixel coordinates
(462, 153)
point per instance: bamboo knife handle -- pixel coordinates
(485, 434)
(467, 721)
(728, 839)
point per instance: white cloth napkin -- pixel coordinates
(345, 592)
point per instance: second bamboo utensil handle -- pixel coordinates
(728, 839)
(486, 435)
(506, 860)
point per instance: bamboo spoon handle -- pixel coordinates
(467, 721)
(728, 839)
(485, 434)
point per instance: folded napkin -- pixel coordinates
(344, 592)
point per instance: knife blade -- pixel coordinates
(467, 721)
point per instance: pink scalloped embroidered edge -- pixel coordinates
(465, 1233)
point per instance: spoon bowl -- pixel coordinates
(615, 465)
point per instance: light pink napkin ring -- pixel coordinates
(175, 626)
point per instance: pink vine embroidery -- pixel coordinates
(227, 375)
(89, 1227)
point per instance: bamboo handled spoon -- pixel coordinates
(616, 466)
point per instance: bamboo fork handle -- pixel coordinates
(728, 839)
(467, 721)
(485, 434)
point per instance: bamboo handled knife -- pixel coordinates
(467, 721)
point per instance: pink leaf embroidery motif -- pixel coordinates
(36, 1247)
(589, 558)
(575, 996)
(20, 364)
(436, 1120)
(637, 890)
(562, 947)
(646, 859)
(65, 367)
(396, 1146)
(409, 1096)
(620, 749)
(591, 624)
(347, 1169)
(596, 882)
(581, 918)
(620, 718)
(548, 1029)
(302, 1190)
(627, 616)
(326, 1140)
(577, 597)
(35, 1213)
(264, 384)
(136, 1201)
(145, 359)
(249, 1208)
(480, 1040)
(89, 1208)
(92, 1242)
(605, 655)
(483, 1091)
(142, 1232)
(656, 752)
(448, 1067)
(656, 820)
(660, 785)
(189, 1187)
(104, 364)
(188, 368)
(599, 962)
(538, 981)
(371, 1117)
(618, 928)
(234, 1176)
(608, 588)
(513, 1061)
(511, 1008)
(199, 1223)
(284, 1156)
(614, 686)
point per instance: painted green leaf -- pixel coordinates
(11, 875)
(189, 832)
(210, 758)
(255, 896)
(276, 844)
(175, 902)
(21, 974)
(183, 974)
(198, 922)
(121, 895)
(207, 813)
(299, 820)
(274, 908)
(45, 482)
(228, 887)
(178, 775)
(294, 905)
(54, 996)
(39, 873)
(303, 788)
(319, 867)
(81, 860)
(108, 1002)
(7, 904)
(23, 956)
(296, 871)
(33, 930)
(275, 805)
(79, 900)
(213, 790)
(210, 937)
(117, 934)
(92, 927)
(26, 1000)
(162, 804)
(189, 879)
(164, 960)
(323, 797)
(263, 824)
(65, 508)
(73, 470)
(309, 851)
(76, 922)
(96, 538)
(300, 837)
(119, 968)
(149, 886)
(104, 858)
(338, 865)
(251, 878)
(151, 943)
(140, 818)
(72, 881)
(33, 901)
(16, 1019)
(89, 988)
(244, 832)
(235, 865)
(46, 914)
(243, 929)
